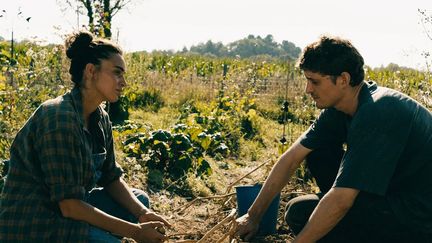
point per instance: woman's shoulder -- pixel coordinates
(60, 103)
(57, 113)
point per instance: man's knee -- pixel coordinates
(298, 211)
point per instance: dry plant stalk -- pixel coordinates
(178, 234)
(229, 218)
(241, 178)
(184, 207)
(232, 226)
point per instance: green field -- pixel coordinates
(188, 125)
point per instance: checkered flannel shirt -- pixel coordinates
(51, 161)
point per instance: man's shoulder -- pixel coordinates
(384, 100)
(331, 114)
(388, 106)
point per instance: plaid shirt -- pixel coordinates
(51, 160)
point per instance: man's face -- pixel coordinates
(323, 89)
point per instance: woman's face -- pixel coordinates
(109, 80)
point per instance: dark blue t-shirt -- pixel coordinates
(389, 150)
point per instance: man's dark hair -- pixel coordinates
(333, 56)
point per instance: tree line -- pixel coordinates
(249, 47)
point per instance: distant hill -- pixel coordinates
(249, 47)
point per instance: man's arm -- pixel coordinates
(278, 178)
(330, 210)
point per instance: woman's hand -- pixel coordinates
(151, 216)
(148, 232)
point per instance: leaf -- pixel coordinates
(204, 167)
(222, 149)
(205, 141)
(181, 165)
(251, 113)
(161, 135)
(194, 133)
(180, 142)
(179, 127)
(217, 137)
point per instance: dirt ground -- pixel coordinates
(195, 222)
(193, 219)
(192, 223)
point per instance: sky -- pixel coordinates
(384, 31)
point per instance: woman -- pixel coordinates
(63, 151)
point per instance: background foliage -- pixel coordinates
(185, 117)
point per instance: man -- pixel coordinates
(380, 188)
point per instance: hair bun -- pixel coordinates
(78, 43)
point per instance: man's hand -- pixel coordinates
(148, 232)
(246, 227)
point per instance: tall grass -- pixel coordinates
(160, 85)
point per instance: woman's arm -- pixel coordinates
(79, 210)
(122, 194)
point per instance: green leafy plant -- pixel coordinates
(172, 154)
